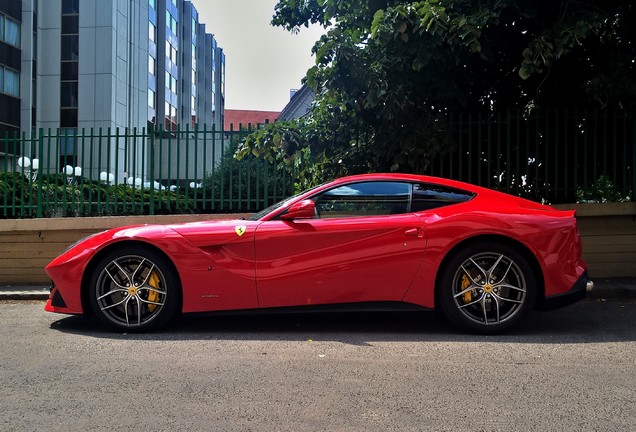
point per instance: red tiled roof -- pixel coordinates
(248, 117)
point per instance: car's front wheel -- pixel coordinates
(134, 289)
(487, 288)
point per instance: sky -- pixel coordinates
(263, 63)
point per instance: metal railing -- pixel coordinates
(555, 155)
(114, 172)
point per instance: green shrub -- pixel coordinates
(246, 182)
(603, 190)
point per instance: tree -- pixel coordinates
(388, 72)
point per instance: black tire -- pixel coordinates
(487, 288)
(134, 289)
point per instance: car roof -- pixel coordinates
(409, 178)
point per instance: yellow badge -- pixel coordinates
(240, 230)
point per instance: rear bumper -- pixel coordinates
(578, 291)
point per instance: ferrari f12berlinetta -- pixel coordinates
(378, 240)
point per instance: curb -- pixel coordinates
(24, 292)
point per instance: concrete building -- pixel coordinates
(248, 119)
(107, 64)
(16, 56)
(299, 104)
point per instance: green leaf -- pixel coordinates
(377, 19)
(525, 72)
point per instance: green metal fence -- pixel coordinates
(114, 172)
(555, 155)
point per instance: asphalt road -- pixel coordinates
(571, 369)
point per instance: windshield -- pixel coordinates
(279, 204)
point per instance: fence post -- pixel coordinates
(150, 139)
(204, 173)
(40, 153)
(634, 161)
(212, 189)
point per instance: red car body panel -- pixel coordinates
(326, 261)
(267, 263)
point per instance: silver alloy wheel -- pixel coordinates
(489, 288)
(131, 291)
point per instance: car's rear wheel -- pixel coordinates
(487, 288)
(134, 289)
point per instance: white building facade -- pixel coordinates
(101, 66)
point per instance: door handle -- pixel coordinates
(414, 232)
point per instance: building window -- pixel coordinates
(151, 65)
(68, 117)
(171, 22)
(70, 7)
(69, 71)
(170, 117)
(9, 31)
(171, 53)
(171, 82)
(69, 91)
(70, 47)
(152, 31)
(69, 94)
(10, 82)
(151, 99)
(152, 4)
(70, 24)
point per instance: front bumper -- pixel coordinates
(578, 291)
(56, 303)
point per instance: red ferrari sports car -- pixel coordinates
(483, 257)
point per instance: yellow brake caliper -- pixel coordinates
(153, 296)
(468, 296)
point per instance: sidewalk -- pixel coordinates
(613, 288)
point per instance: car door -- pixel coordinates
(362, 246)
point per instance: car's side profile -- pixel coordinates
(483, 257)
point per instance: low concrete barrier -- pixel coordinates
(608, 232)
(28, 245)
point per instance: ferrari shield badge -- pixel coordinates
(240, 229)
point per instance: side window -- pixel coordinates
(364, 199)
(429, 196)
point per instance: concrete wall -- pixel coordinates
(608, 232)
(28, 245)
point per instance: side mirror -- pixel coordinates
(305, 209)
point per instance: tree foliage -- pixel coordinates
(388, 72)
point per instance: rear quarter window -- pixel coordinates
(430, 196)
